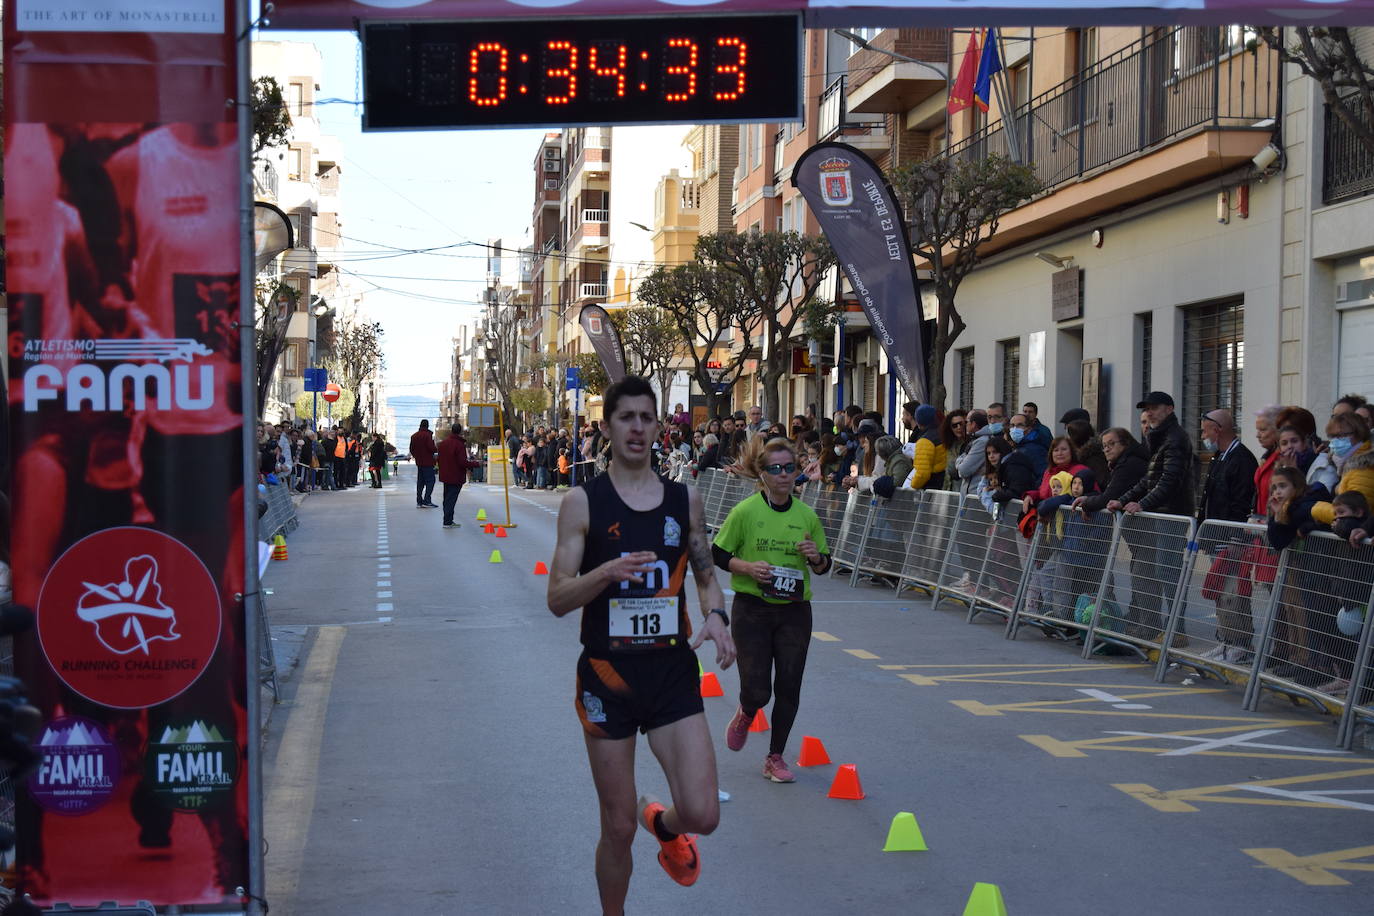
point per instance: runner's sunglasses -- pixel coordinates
(787, 468)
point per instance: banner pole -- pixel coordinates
(505, 474)
(256, 891)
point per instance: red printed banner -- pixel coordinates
(342, 14)
(122, 264)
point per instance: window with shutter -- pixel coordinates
(1213, 361)
(1011, 374)
(966, 378)
(1146, 326)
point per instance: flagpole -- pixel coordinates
(1007, 102)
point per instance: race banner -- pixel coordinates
(122, 221)
(343, 14)
(860, 216)
(605, 340)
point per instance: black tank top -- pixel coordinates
(629, 616)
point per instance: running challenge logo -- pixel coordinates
(129, 617)
(110, 375)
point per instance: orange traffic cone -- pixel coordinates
(812, 753)
(710, 686)
(500, 532)
(488, 528)
(760, 723)
(846, 783)
(540, 569)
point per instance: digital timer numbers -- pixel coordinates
(601, 70)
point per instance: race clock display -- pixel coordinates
(570, 72)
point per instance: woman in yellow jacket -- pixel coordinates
(1354, 456)
(928, 463)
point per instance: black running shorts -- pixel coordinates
(645, 691)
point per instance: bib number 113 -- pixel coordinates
(646, 624)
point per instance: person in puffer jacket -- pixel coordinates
(928, 461)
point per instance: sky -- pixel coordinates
(447, 190)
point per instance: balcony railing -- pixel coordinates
(265, 178)
(1347, 164)
(1154, 91)
(834, 120)
(596, 216)
(593, 291)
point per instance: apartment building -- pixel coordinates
(302, 178)
(584, 226)
(1169, 250)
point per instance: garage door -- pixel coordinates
(1357, 352)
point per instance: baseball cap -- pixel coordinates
(1155, 398)
(1074, 413)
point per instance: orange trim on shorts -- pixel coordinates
(609, 676)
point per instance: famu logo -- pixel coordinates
(192, 767)
(79, 768)
(71, 371)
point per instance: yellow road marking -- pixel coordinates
(861, 653)
(291, 796)
(1316, 870)
(1178, 801)
(823, 636)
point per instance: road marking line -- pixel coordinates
(1117, 702)
(383, 565)
(383, 606)
(1319, 797)
(1231, 741)
(1315, 870)
(384, 594)
(384, 619)
(861, 653)
(291, 796)
(824, 637)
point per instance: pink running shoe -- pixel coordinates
(738, 731)
(776, 770)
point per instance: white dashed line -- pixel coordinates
(383, 606)
(384, 594)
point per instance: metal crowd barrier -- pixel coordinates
(280, 517)
(1213, 598)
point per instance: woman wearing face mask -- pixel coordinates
(1353, 455)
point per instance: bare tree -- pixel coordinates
(1328, 55)
(274, 303)
(781, 273)
(503, 345)
(357, 355)
(654, 342)
(706, 304)
(954, 206)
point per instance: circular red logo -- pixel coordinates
(129, 617)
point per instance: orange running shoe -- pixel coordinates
(678, 857)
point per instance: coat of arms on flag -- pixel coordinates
(837, 187)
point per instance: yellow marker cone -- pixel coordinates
(700, 670)
(481, 515)
(904, 835)
(986, 900)
(495, 557)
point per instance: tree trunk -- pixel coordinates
(771, 375)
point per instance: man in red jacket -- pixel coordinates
(422, 451)
(453, 470)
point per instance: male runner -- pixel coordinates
(624, 540)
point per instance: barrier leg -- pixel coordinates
(1252, 684)
(1345, 731)
(1023, 584)
(936, 595)
(1108, 569)
(863, 541)
(1185, 576)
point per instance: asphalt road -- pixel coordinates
(426, 758)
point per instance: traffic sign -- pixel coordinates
(574, 378)
(316, 379)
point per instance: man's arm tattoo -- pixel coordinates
(699, 550)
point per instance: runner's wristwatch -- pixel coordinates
(721, 611)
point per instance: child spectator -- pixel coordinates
(1353, 522)
(1041, 588)
(564, 467)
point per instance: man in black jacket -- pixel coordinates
(1168, 488)
(1228, 494)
